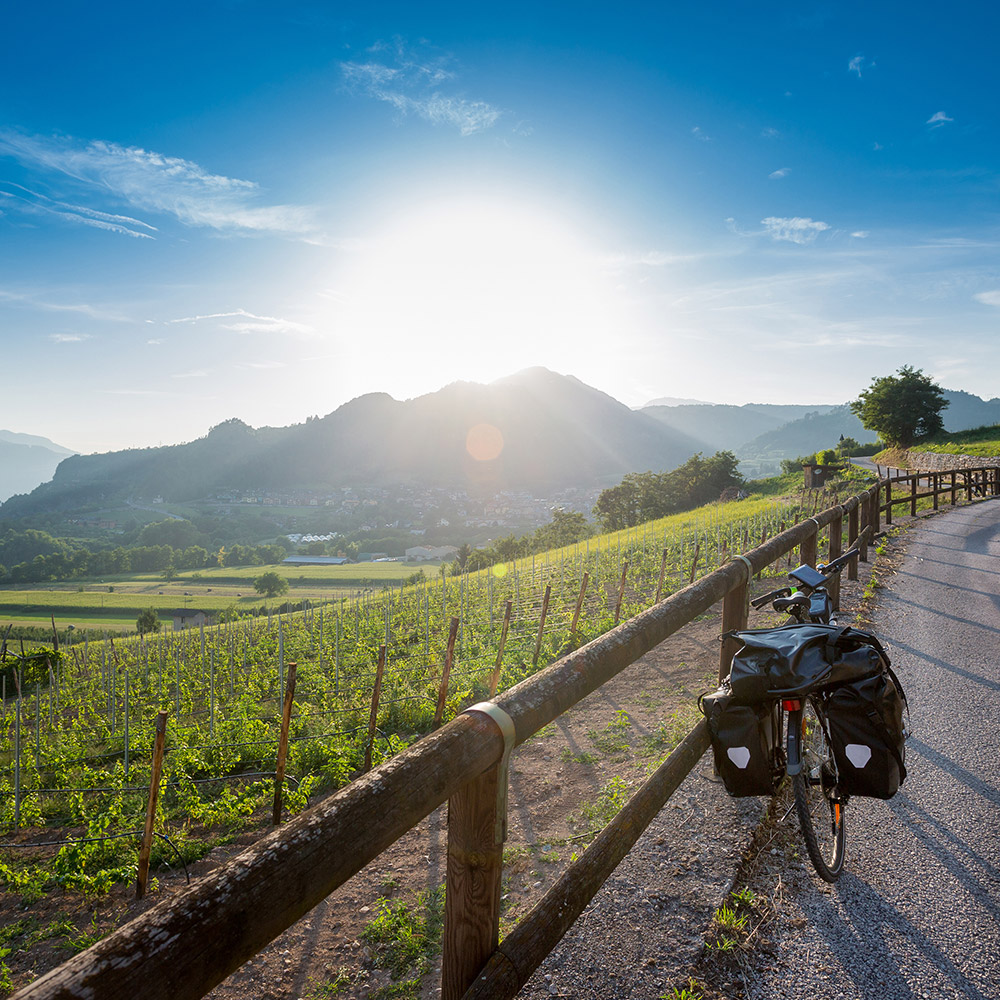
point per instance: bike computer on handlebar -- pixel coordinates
(808, 577)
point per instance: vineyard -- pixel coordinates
(373, 672)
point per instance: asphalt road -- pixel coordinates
(917, 912)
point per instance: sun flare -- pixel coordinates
(475, 288)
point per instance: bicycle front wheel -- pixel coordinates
(818, 801)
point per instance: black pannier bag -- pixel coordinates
(796, 659)
(867, 733)
(742, 742)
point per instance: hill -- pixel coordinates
(538, 431)
(27, 460)
(722, 427)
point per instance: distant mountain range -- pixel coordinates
(552, 431)
(27, 460)
(535, 430)
(762, 431)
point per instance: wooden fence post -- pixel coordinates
(808, 547)
(477, 828)
(954, 486)
(663, 570)
(967, 476)
(286, 719)
(154, 794)
(495, 679)
(934, 488)
(914, 483)
(888, 501)
(621, 593)
(446, 673)
(852, 537)
(541, 623)
(579, 603)
(833, 550)
(735, 612)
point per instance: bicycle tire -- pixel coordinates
(818, 803)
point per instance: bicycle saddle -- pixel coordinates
(784, 603)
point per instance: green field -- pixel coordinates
(115, 602)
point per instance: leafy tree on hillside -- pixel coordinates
(270, 584)
(565, 528)
(647, 495)
(901, 407)
(148, 621)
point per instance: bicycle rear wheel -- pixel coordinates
(817, 799)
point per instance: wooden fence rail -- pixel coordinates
(186, 945)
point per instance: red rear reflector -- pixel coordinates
(791, 704)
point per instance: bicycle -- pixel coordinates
(808, 757)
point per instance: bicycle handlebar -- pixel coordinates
(828, 569)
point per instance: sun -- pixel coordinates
(474, 288)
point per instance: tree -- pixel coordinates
(148, 621)
(901, 407)
(270, 584)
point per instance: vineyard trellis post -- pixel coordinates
(446, 672)
(663, 570)
(579, 602)
(373, 716)
(621, 592)
(495, 679)
(154, 791)
(17, 759)
(126, 725)
(286, 718)
(694, 560)
(541, 624)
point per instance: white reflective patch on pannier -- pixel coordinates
(740, 756)
(858, 754)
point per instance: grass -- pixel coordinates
(983, 441)
(594, 816)
(405, 937)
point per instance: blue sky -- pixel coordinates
(263, 210)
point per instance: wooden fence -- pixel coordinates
(187, 944)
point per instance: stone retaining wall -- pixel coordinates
(930, 461)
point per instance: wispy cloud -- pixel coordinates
(988, 298)
(41, 299)
(194, 373)
(794, 230)
(938, 119)
(151, 181)
(262, 365)
(769, 133)
(24, 201)
(412, 85)
(861, 234)
(248, 322)
(698, 133)
(777, 175)
(69, 338)
(857, 64)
